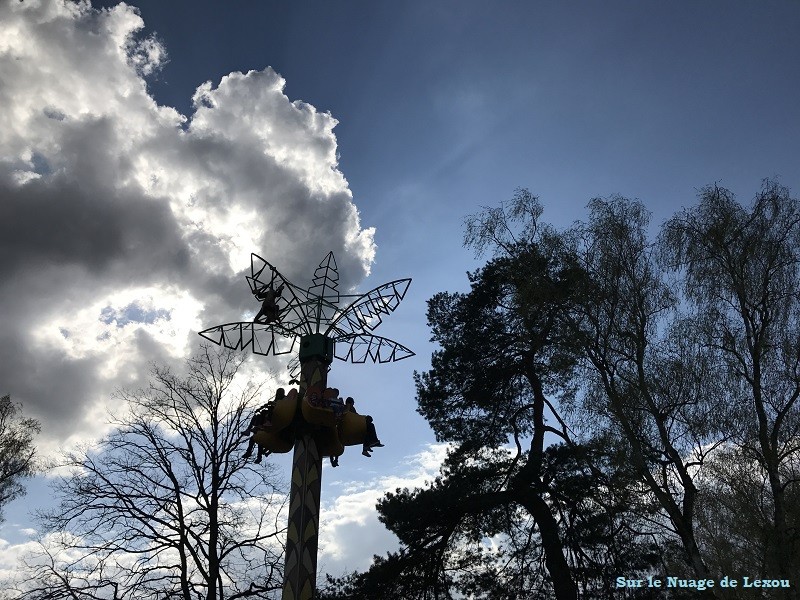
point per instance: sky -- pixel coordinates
(146, 149)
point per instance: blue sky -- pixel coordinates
(442, 108)
(455, 96)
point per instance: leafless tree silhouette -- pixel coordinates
(165, 506)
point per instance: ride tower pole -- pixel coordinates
(316, 318)
(302, 535)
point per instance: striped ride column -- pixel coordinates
(300, 569)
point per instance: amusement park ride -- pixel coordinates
(302, 419)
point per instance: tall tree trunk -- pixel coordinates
(563, 585)
(555, 561)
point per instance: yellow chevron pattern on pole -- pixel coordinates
(302, 536)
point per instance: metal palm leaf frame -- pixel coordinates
(316, 311)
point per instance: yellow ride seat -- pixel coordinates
(284, 410)
(275, 438)
(352, 429)
(274, 441)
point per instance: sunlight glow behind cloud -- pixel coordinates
(125, 226)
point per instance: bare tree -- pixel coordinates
(650, 379)
(742, 275)
(166, 506)
(16, 450)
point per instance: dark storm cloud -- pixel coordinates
(57, 221)
(54, 387)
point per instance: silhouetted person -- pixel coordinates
(338, 407)
(371, 438)
(261, 420)
(269, 306)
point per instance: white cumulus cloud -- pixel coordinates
(350, 533)
(124, 225)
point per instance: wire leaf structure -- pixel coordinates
(314, 311)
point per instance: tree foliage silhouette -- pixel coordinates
(741, 269)
(510, 523)
(17, 452)
(650, 390)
